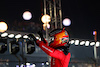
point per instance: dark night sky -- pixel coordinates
(84, 14)
(13, 10)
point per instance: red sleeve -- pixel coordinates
(50, 51)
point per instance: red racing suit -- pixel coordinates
(58, 58)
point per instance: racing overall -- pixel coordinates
(58, 58)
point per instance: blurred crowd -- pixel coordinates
(25, 26)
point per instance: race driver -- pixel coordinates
(58, 48)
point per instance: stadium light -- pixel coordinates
(37, 37)
(47, 63)
(72, 42)
(82, 42)
(66, 22)
(45, 19)
(87, 43)
(44, 25)
(3, 27)
(25, 36)
(11, 35)
(76, 42)
(28, 64)
(4, 34)
(33, 65)
(97, 44)
(27, 15)
(18, 36)
(94, 32)
(92, 43)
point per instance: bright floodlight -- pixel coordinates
(45, 18)
(94, 32)
(44, 26)
(47, 63)
(76, 42)
(66, 22)
(82, 42)
(18, 36)
(3, 27)
(42, 63)
(4, 34)
(27, 15)
(22, 65)
(37, 37)
(87, 43)
(27, 63)
(97, 44)
(33, 65)
(71, 42)
(92, 43)
(25, 36)
(11, 35)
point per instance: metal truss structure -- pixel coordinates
(53, 8)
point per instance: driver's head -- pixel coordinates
(61, 37)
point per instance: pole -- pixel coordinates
(95, 49)
(46, 24)
(44, 7)
(46, 32)
(60, 12)
(50, 8)
(55, 14)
